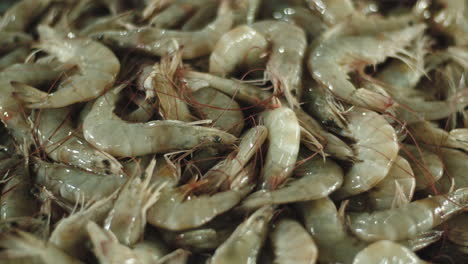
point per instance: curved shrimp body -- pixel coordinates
(98, 69)
(223, 110)
(332, 11)
(203, 16)
(75, 185)
(57, 138)
(409, 220)
(177, 12)
(430, 134)
(332, 60)
(18, 55)
(20, 15)
(244, 244)
(283, 147)
(318, 179)
(455, 170)
(387, 252)
(293, 244)
(160, 42)
(376, 147)
(10, 110)
(11, 40)
(284, 65)
(153, 136)
(241, 46)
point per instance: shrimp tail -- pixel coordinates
(33, 97)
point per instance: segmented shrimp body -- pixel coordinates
(389, 252)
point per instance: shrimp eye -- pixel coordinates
(217, 139)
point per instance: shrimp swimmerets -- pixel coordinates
(153, 136)
(98, 69)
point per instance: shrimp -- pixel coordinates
(176, 12)
(204, 15)
(427, 133)
(283, 147)
(161, 42)
(146, 109)
(22, 244)
(70, 234)
(389, 252)
(18, 55)
(427, 166)
(98, 69)
(58, 139)
(293, 244)
(318, 178)
(242, 46)
(376, 147)
(223, 174)
(246, 11)
(153, 136)
(199, 240)
(455, 170)
(178, 256)
(11, 40)
(22, 14)
(332, 11)
(244, 244)
(222, 109)
(284, 65)
(177, 211)
(127, 219)
(331, 61)
(409, 220)
(73, 184)
(150, 250)
(153, 6)
(457, 230)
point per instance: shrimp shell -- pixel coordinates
(388, 252)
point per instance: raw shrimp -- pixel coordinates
(457, 230)
(162, 84)
(12, 40)
(427, 166)
(316, 179)
(161, 42)
(283, 147)
(241, 47)
(19, 16)
(388, 252)
(376, 147)
(223, 174)
(204, 15)
(244, 244)
(176, 210)
(146, 109)
(332, 60)
(153, 6)
(225, 112)
(284, 65)
(73, 184)
(11, 112)
(127, 219)
(18, 55)
(332, 11)
(246, 11)
(456, 169)
(199, 240)
(178, 256)
(409, 220)
(293, 244)
(153, 136)
(58, 139)
(151, 249)
(176, 13)
(98, 69)
(21, 244)
(70, 234)
(428, 133)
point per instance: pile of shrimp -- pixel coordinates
(233, 131)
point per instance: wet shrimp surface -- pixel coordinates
(233, 131)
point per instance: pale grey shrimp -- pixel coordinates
(176, 210)
(241, 47)
(11, 112)
(244, 244)
(293, 244)
(457, 230)
(178, 256)
(58, 139)
(284, 65)
(127, 219)
(75, 185)
(161, 42)
(432, 135)
(18, 55)
(316, 179)
(151, 249)
(70, 234)
(12, 40)
(203, 15)
(225, 112)
(21, 244)
(22, 14)
(199, 240)
(98, 69)
(388, 252)
(145, 111)
(176, 12)
(427, 166)
(283, 147)
(153, 136)
(332, 11)
(455, 165)
(376, 149)
(112, 22)
(409, 220)
(332, 60)
(246, 11)
(153, 6)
